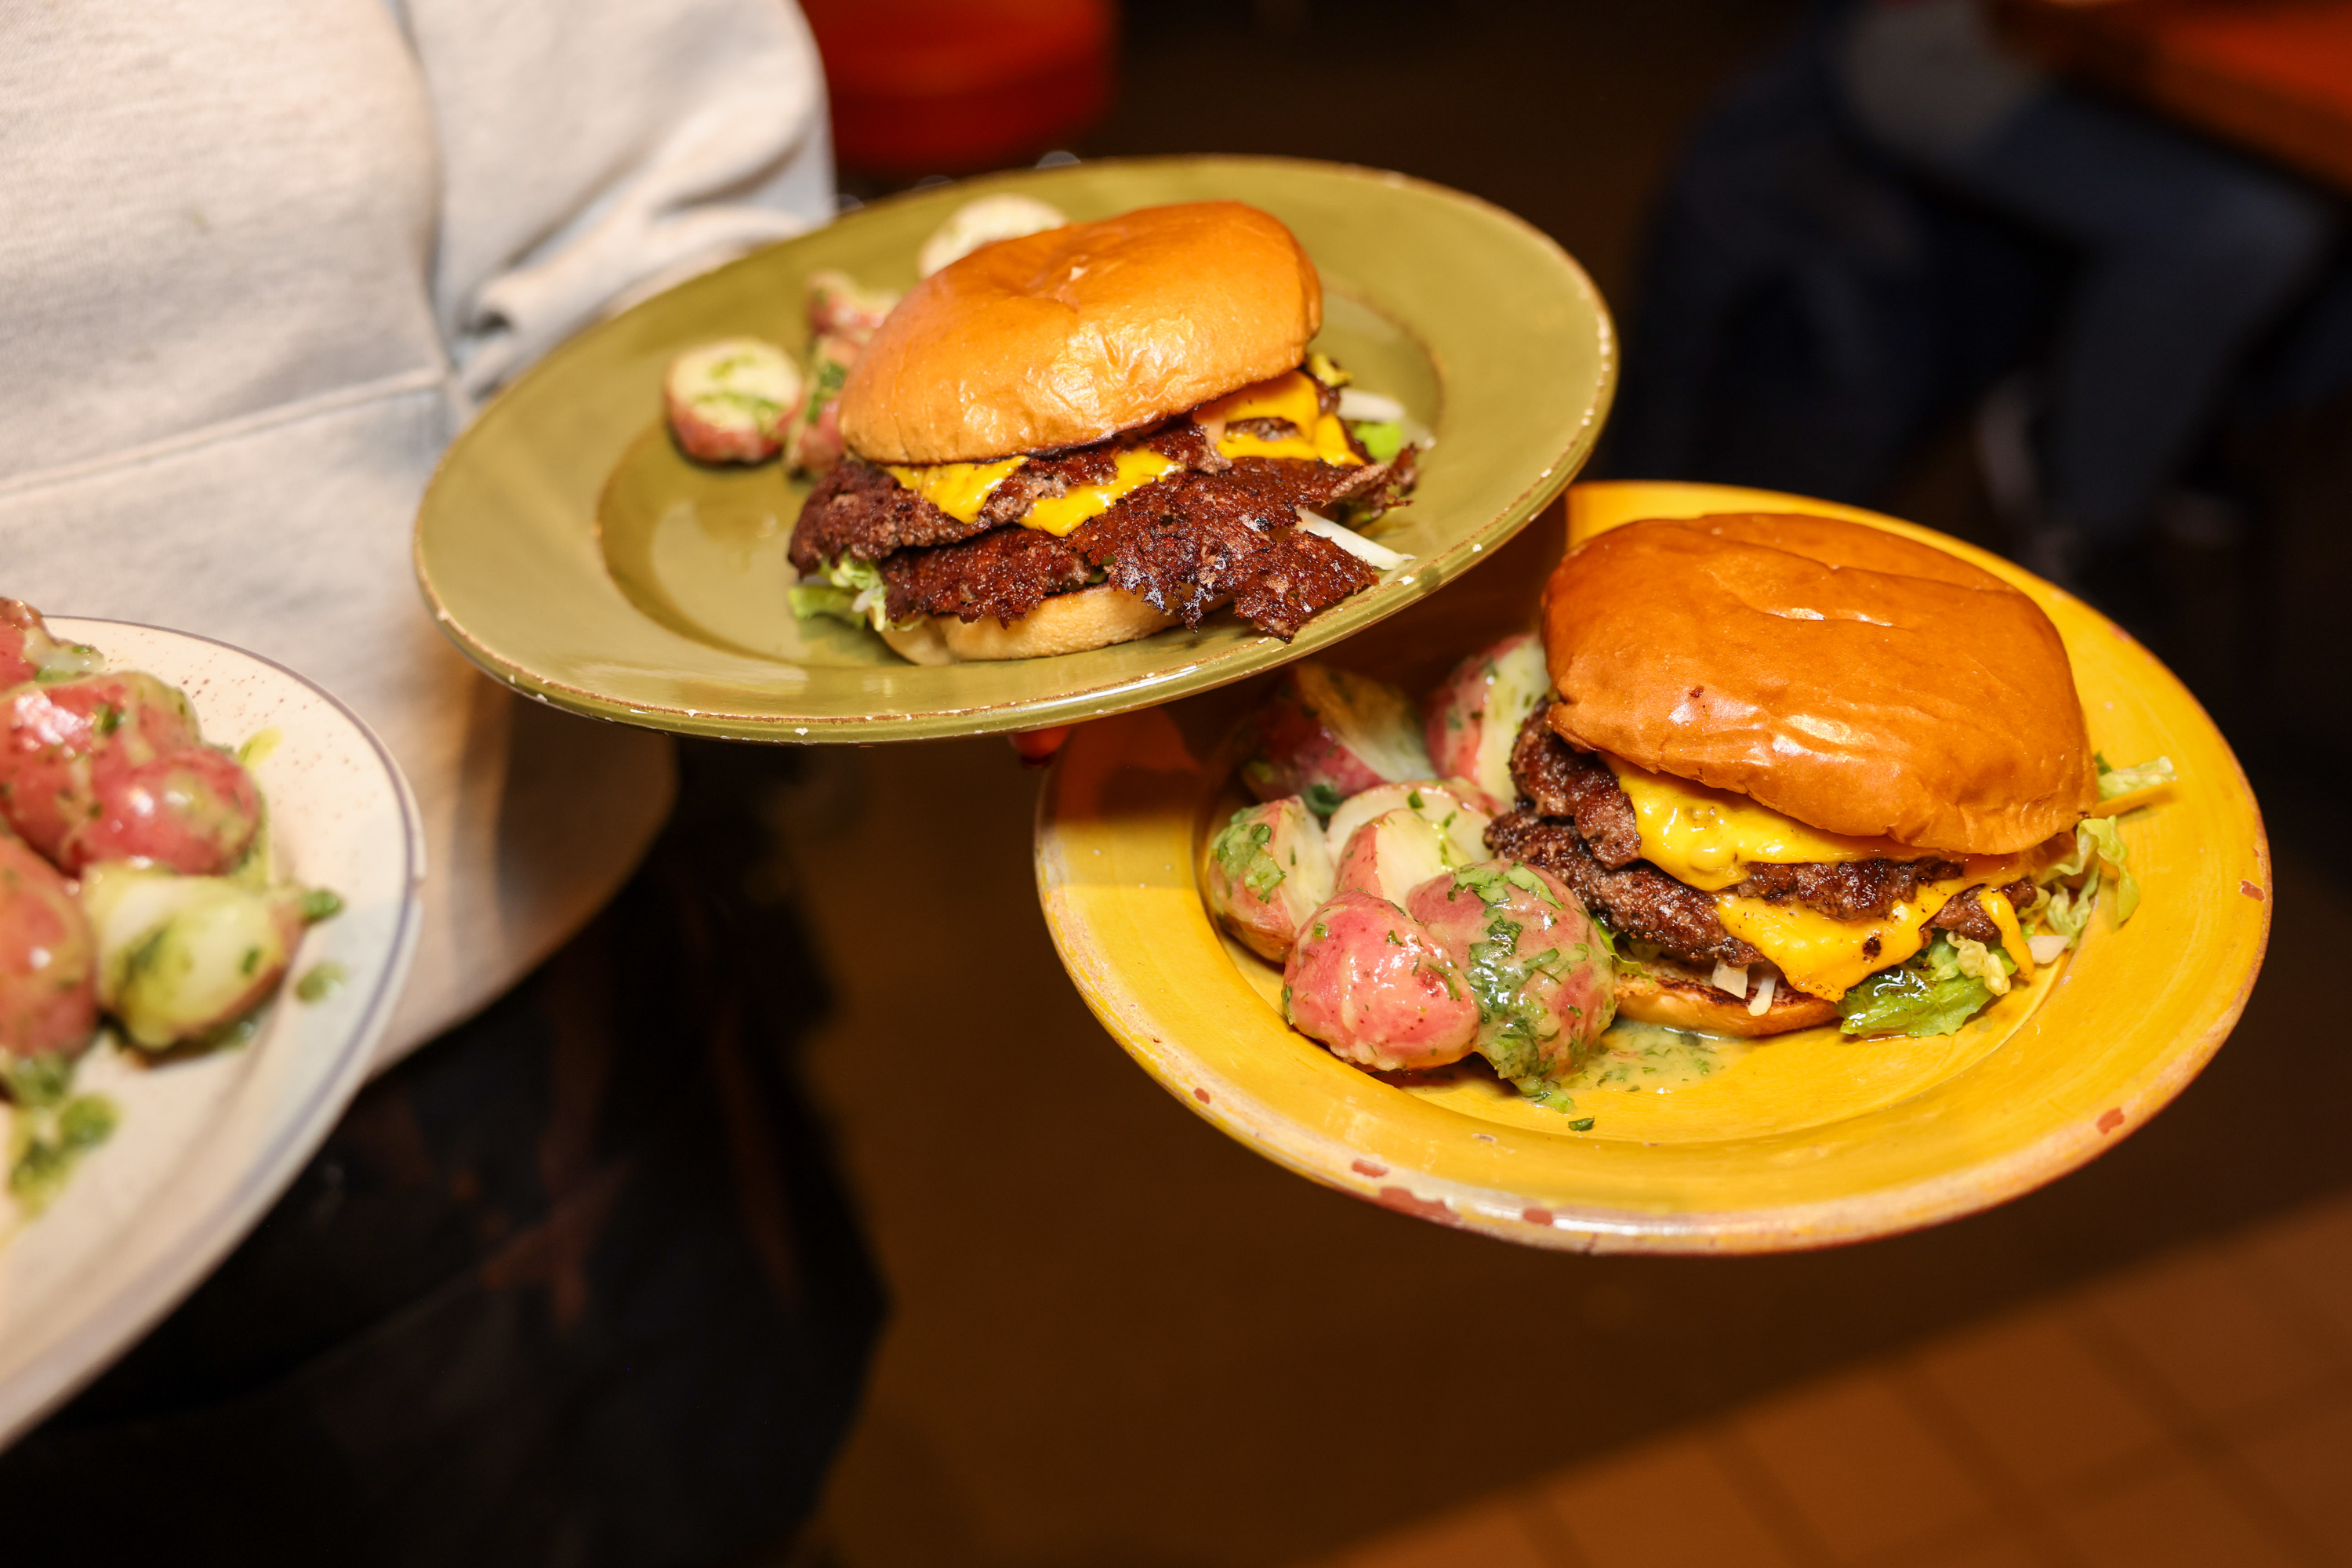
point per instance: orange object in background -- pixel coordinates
(947, 87)
(2272, 75)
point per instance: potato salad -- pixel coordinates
(136, 898)
(1364, 873)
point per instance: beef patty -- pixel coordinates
(1639, 900)
(1575, 820)
(1209, 532)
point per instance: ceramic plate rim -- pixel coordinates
(1125, 695)
(1236, 1109)
(71, 1358)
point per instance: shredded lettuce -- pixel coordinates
(1383, 439)
(2113, 782)
(846, 589)
(2067, 914)
(2097, 842)
(1930, 994)
(2099, 852)
(1991, 964)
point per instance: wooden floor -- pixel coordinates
(2194, 1410)
(1120, 1337)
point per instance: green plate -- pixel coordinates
(570, 552)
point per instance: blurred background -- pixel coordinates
(2068, 282)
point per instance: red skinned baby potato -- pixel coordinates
(839, 307)
(1324, 734)
(112, 767)
(1476, 714)
(726, 401)
(1541, 971)
(1267, 870)
(1459, 812)
(27, 651)
(1391, 855)
(812, 428)
(49, 970)
(1377, 988)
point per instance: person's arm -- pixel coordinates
(589, 145)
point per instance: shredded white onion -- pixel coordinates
(1355, 404)
(1726, 978)
(1761, 1003)
(1379, 557)
(2046, 947)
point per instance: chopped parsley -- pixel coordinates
(53, 1128)
(319, 982)
(1240, 850)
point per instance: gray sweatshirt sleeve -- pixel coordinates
(587, 146)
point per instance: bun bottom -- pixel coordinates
(1677, 1003)
(1065, 623)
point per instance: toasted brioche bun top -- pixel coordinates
(1070, 336)
(1849, 677)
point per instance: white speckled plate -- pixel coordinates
(205, 1145)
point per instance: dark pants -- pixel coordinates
(2187, 249)
(574, 1284)
(2190, 252)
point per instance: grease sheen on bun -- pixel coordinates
(1849, 678)
(1065, 623)
(1073, 335)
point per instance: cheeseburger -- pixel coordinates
(1789, 760)
(1083, 436)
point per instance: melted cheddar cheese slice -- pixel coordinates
(2003, 914)
(959, 489)
(1708, 838)
(1057, 515)
(1291, 396)
(1828, 957)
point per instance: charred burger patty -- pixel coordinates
(1575, 821)
(1213, 530)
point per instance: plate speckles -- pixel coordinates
(205, 1145)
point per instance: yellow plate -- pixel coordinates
(570, 552)
(1808, 1139)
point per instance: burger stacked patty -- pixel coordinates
(1211, 531)
(1575, 820)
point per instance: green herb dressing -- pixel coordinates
(1648, 1058)
(260, 748)
(53, 1128)
(321, 981)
